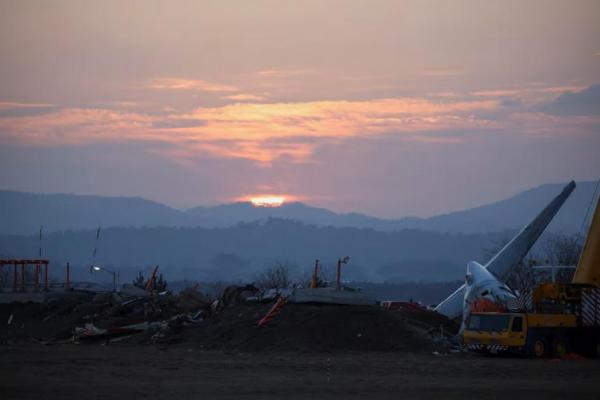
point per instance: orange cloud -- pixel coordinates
(332, 118)
(258, 132)
(243, 97)
(189, 84)
(77, 126)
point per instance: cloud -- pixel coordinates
(284, 73)
(447, 95)
(16, 109)
(264, 132)
(441, 73)
(583, 103)
(520, 92)
(189, 84)
(540, 124)
(243, 97)
(526, 98)
(8, 105)
(76, 126)
(261, 132)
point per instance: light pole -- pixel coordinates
(338, 275)
(114, 274)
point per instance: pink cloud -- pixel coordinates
(259, 132)
(243, 97)
(9, 105)
(529, 95)
(74, 126)
(284, 73)
(189, 84)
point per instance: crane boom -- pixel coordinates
(588, 268)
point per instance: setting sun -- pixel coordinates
(267, 201)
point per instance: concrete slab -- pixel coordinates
(330, 295)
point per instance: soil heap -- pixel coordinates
(315, 328)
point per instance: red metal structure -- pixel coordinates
(314, 281)
(23, 263)
(276, 309)
(151, 284)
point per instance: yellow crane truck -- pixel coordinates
(565, 318)
(561, 318)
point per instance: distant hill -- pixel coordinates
(515, 212)
(242, 251)
(23, 213)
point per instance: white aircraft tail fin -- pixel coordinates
(511, 255)
(514, 251)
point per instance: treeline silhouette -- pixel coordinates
(240, 252)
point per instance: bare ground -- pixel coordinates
(33, 371)
(307, 351)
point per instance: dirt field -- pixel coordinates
(307, 351)
(129, 372)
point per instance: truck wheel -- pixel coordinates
(539, 348)
(560, 347)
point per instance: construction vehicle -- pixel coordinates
(560, 319)
(564, 318)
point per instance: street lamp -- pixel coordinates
(114, 274)
(338, 275)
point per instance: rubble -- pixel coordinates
(89, 315)
(229, 323)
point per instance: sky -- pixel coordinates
(389, 108)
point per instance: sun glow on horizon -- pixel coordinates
(267, 201)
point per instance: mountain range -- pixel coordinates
(23, 213)
(237, 241)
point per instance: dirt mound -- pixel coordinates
(310, 328)
(53, 319)
(298, 328)
(428, 320)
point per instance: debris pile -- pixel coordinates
(230, 323)
(82, 316)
